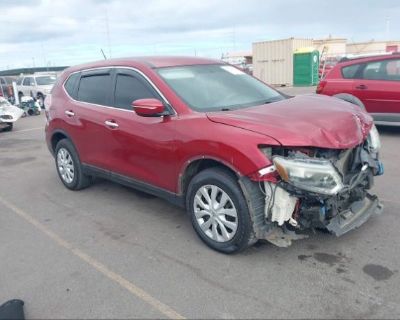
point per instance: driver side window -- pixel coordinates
(129, 88)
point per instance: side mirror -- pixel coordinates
(148, 107)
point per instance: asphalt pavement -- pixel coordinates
(111, 252)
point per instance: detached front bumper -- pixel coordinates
(352, 218)
(275, 223)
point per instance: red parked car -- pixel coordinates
(245, 161)
(373, 83)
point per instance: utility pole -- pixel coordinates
(234, 38)
(387, 28)
(108, 36)
(43, 55)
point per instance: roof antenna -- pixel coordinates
(104, 55)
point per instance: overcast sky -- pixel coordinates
(67, 32)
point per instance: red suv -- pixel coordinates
(373, 83)
(245, 161)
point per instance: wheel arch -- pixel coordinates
(195, 165)
(57, 136)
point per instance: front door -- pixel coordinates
(142, 148)
(379, 87)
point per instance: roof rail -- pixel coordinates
(344, 59)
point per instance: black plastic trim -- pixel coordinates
(359, 213)
(171, 197)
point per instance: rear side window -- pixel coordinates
(350, 72)
(128, 89)
(29, 81)
(388, 70)
(393, 70)
(95, 89)
(70, 85)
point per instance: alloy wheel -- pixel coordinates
(65, 165)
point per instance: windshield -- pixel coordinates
(45, 80)
(217, 87)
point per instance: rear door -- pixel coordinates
(341, 81)
(142, 148)
(378, 87)
(86, 115)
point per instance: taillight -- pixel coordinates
(321, 86)
(47, 102)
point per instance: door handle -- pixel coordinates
(111, 124)
(69, 113)
(362, 87)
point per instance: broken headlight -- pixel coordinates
(374, 141)
(313, 175)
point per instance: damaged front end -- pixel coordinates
(308, 188)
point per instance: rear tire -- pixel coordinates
(226, 227)
(69, 167)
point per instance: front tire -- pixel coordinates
(219, 211)
(69, 167)
(40, 100)
(9, 127)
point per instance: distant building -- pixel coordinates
(332, 46)
(242, 60)
(373, 47)
(273, 60)
(17, 72)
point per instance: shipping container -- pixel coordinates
(273, 60)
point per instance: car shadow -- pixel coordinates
(389, 130)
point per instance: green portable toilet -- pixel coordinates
(305, 67)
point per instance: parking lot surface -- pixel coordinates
(111, 252)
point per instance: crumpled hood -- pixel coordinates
(306, 120)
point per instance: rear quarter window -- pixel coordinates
(350, 72)
(71, 84)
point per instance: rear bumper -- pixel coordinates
(355, 216)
